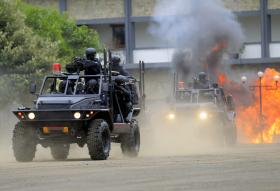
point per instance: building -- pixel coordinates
(123, 27)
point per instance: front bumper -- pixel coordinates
(196, 119)
(55, 115)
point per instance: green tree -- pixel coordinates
(23, 54)
(49, 23)
(31, 38)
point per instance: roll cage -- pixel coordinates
(78, 84)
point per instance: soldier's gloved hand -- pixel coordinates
(79, 63)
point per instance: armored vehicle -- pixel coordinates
(87, 110)
(207, 109)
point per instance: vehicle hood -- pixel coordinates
(196, 106)
(63, 102)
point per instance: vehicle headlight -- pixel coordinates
(77, 115)
(203, 115)
(31, 115)
(171, 116)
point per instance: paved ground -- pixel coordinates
(245, 167)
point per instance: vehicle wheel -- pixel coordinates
(24, 143)
(60, 151)
(130, 143)
(231, 135)
(99, 140)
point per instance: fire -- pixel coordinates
(219, 46)
(222, 79)
(265, 128)
(257, 128)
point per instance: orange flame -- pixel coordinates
(219, 46)
(222, 79)
(257, 128)
(267, 129)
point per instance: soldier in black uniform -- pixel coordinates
(116, 66)
(201, 82)
(92, 87)
(91, 65)
(128, 92)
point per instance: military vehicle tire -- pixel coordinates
(60, 151)
(24, 143)
(99, 140)
(130, 142)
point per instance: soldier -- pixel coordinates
(128, 92)
(91, 65)
(117, 67)
(92, 87)
(202, 82)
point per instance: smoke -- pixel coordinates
(193, 28)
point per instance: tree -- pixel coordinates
(49, 23)
(23, 54)
(31, 39)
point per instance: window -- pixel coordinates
(118, 36)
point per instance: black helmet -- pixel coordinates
(202, 76)
(92, 86)
(90, 53)
(116, 60)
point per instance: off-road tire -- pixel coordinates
(130, 142)
(99, 140)
(60, 151)
(24, 143)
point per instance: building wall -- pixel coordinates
(242, 5)
(90, 9)
(146, 7)
(275, 28)
(144, 38)
(95, 9)
(251, 28)
(273, 4)
(158, 83)
(105, 34)
(48, 3)
(143, 7)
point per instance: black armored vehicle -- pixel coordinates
(204, 108)
(92, 110)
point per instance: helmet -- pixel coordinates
(91, 86)
(116, 60)
(90, 53)
(202, 76)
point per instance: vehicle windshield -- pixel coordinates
(199, 96)
(71, 85)
(205, 96)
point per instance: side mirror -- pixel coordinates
(230, 103)
(32, 88)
